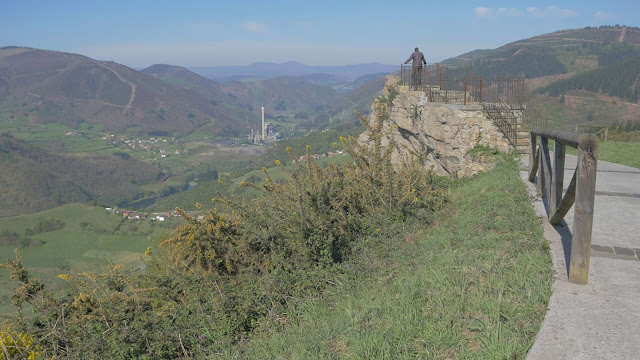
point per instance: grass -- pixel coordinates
(474, 285)
(619, 152)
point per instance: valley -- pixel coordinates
(157, 178)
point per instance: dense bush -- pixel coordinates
(45, 225)
(215, 281)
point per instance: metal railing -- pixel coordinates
(507, 117)
(580, 191)
(443, 84)
(504, 100)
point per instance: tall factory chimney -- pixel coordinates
(263, 137)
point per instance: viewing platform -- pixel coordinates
(505, 101)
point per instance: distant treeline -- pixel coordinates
(620, 79)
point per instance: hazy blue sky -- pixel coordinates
(139, 33)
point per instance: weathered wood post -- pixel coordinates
(583, 215)
(542, 167)
(557, 178)
(533, 156)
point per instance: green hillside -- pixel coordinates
(560, 52)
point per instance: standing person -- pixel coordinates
(418, 59)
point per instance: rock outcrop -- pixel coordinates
(438, 134)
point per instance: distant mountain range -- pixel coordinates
(261, 70)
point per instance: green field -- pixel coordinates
(90, 238)
(621, 152)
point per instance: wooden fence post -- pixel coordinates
(557, 177)
(583, 215)
(543, 176)
(532, 156)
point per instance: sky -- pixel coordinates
(140, 33)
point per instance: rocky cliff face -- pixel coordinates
(437, 134)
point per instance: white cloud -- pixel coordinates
(509, 12)
(482, 11)
(485, 12)
(256, 27)
(551, 12)
(602, 16)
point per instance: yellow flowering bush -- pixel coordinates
(17, 345)
(211, 245)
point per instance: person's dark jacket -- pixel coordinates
(417, 57)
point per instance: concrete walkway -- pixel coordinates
(600, 320)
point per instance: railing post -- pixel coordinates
(532, 155)
(583, 213)
(542, 172)
(557, 179)
(465, 88)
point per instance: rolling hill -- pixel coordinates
(48, 86)
(560, 52)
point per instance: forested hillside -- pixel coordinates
(33, 179)
(620, 79)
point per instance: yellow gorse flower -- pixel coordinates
(15, 345)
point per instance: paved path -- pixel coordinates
(600, 320)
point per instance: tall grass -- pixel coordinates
(475, 285)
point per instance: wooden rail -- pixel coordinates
(603, 129)
(581, 190)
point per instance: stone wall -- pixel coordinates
(437, 133)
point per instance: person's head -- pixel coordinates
(416, 49)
